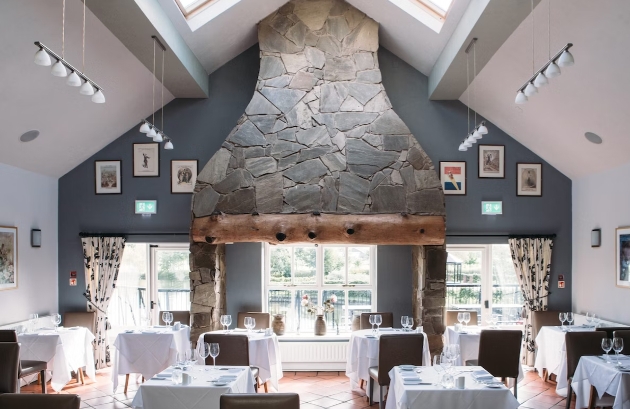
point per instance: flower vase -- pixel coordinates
(278, 324)
(320, 325)
(356, 322)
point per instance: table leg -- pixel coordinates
(126, 382)
(592, 398)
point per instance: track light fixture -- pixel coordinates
(480, 130)
(61, 66)
(551, 69)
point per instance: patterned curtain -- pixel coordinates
(101, 256)
(532, 262)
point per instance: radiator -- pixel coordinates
(314, 356)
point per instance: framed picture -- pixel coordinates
(622, 253)
(453, 177)
(529, 179)
(8, 258)
(491, 161)
(108, 177)
(183, 176)
(146, 159)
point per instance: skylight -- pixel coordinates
(431, 13)
(190, 7)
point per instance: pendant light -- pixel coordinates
(42, 58)
(480, 129)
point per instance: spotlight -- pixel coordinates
(58, 69)
(98, 97)
(152, 133)
(530, 89)
(482, 128)
(144, 128)
(86, 89)
(74, 80)
(168, 145)
(462, 148)
(553, 70)
(42, 58)
(158, 137)
(541, 80)
(521, 98)
(566, 59)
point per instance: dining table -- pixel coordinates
(207, 384)
(264, 353)
(148, 351)
(63, 349)
(606, 377)
(422, 389)
(551, 353)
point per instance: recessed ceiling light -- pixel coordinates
(596, 139)
(29, 136)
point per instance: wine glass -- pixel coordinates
(223, 323)
(466, 318)
(378, 320)
(248, 324)
(596, 320)
(170, 318)
(214, 351)
(165, 317)
(228, 322)
(403, 322)
(56, 320)
(445, 361)
(409, 323)
(589, 319)
(372, 323)
(617, 346)
(570, 318)
(204, 350)
(562, 317)
(436, 363)
(460, 317)
(607, 345)
(253, 321)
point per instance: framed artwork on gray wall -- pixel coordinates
(107, 177)
(491, 161)
(453, 177)
(529, 179)
(622, 252)
(8, 258)
(183, 176)
(146, 160)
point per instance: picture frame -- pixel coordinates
(146, 159)
(108, 177)
(491, 161)
(622, 256)
(529, 179)
(184, 175)
(8, 258)
(453, 178)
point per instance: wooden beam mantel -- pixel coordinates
(396, 229)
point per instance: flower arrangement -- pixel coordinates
(316, 309)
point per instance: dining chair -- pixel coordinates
(34, 401)
(182, 316)
(610, 331)
(625, 335)
(500, 354)
(451, 317)
(254, 400)
(81, 319)
(9, 370)
(579, 344)
(394, 350)
(387, 318)
(233, 351)
(543, 319)
(263, 319)
(26, 367)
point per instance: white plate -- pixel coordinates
(407, 367)
(219, 383)
(494, 385)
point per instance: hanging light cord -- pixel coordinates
(549, 30)
(153, 99)
(533, 53)
(83, 65)
(163, 52)
(63, 30)
(468, 94)
(473, 81)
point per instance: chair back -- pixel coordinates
(9, 370)
(81, 319)
(625, 335)
(610, 331)
(263, 319)
(8, 335)
(260, 401)
(543, 319)
(387, 317)
(398, 349)
(233, 349)
(579, 344)
(500, 352)
(451, 317)
(39, 401)
(182, 316)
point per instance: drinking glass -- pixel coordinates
(176, 376)
(204, 350)
(466, 318)
(452, 352)
(372, 323)
(607, 345)
(403, 322)
(222, 320)
(56, 319)
(445, 361)
(378, 320)
(409, 323)
(228, 322)
(214, 351)
(460, 317)
(617, 346)
(170, 318)
(249, 323)
(436, 363)
(32, 322)
(570, 318)
(589, 319)
(596, 320)
(562, 317)
(165, 317)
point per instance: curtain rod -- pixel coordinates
(516, 236)
(84, 234)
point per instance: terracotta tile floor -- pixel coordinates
(317, 390)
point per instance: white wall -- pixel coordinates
(27, 201)
(600, 201)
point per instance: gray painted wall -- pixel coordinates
(244, 283)
(200, 126)
(393, 281)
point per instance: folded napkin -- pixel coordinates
(240, 330)
(158, 378)
(414, 381)
(409, 375)
(482, 375)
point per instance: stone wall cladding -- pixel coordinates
(320, 133)
(207, 287)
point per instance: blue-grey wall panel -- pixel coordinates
(393, 283)
(243, 264)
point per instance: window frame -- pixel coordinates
(431, 8)
(194, 8)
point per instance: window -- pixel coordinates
(482, 278)
(437, 7)
(190, 7)
(431, 13)
(291, 272)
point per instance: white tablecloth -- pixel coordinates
(162, 394)
(552, 354)
(605, 378)
(65, 350)
(363, 354)
(147, 351)
(264, 354)
(474, 396)
(468, 342)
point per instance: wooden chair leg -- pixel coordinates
(545, 375)
(371, 387)
(266, 387)
(81, 376)
(592, 398)
(126, 382)
(569, 393)
(361, 383)
(142, 379)
(42, 376)
(39, 378)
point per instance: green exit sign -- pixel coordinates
(146, 206)
(491, 208)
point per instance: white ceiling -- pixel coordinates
(590, 96)
(72, 127)
(234, 31)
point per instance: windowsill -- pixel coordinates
(309, 337)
